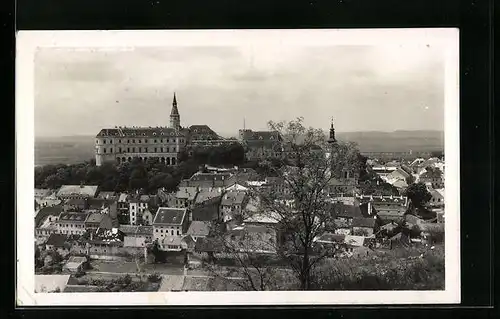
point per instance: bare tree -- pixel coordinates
(300, 204)
(311, 163)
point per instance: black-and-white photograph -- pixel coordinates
(297, 162)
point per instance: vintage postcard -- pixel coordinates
(237, 167)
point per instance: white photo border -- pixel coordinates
(29, 41)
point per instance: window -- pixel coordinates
(133, 141)
(110, 141)
(128, 149)
(178, 233)
(128, 141)
(119, 141)
(161, 231)
(139, 149)
(119, 149)
(172, 232)
(146, 141)
(104, 150)
(161, 149)
(103, 141)
(111, 150)
(156, 230)
(155, 149)
(133, 149)
(155, 141)
(139, 141)
(145, 150)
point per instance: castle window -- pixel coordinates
(145, 150)
(161, 133)
(139, 149)
(111, 150)
(103, 141)
(155, 149)
(133, 149)
(154, 133)
(119, 141)
(128, 141)
(119, 150)
(133, 141)
(139, 141)
(154, 140)
(161, 141)
(104, 150)
(110, 141)
(128, 149)
(161, 149)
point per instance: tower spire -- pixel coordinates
(331, 139)
(175, 119)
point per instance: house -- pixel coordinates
(46, 221)
(107, 195)
(72, 223)
(74, 264)
(209, 180)
(147, 217)
(145, 232)
(198, 229)
(98, 205)
(137, 206)
(96, 220)
(133, 241)
(237, 186)
(389, 213)
(437, 199)
(77, 191)
(364, 226)
(75, 204)
(253, 238)
(232, 204)
(169, 226)
(58, 243)
(432, 176)
(123, 202)
(343, 215)
(185, 197)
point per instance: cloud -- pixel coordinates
(364, 88)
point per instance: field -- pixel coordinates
(75, 149)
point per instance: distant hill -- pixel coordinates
(397, 141)
(75, 149)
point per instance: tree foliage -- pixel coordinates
(306, 172)
(418, 195)
(136, 175)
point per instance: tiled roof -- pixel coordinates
(76, 202)
(82, 190)
(202, 132)
(139, 132)
(265, 218)
(363, 222)
(176, 241)
(188, 193)
(56, 240)
(128, 229)
(73, 217)
(47, 211)
(170, 216)
(233, 198)
(123, 197)
(250, 135)
(204, 196)
(210, 176)
(344, 210)
(145, 230)
(198, 228)
(332, 238)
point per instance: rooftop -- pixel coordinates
(56, 240)
(80, 190)
(44, 212)
(142, 132)
(73, 217)
(233, 198)
(198, 228)
(170, 216)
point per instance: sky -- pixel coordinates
(364, 88)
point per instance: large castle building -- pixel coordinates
(164, 144)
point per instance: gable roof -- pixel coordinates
(56, 240)
(364, 222)
(204, 196)
(73, 217)
(233, 198)
(141, 132)
(187, 192)
(169, 216)
(210, 176)
(47, 211)
(128, 229)
(104, 220)
(346, 210)
(198, 228)
(79, 190)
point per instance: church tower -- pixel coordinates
(175, 118)
(331, 139)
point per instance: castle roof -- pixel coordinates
(139, 132)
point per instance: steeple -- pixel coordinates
(175, 118)
(331, 139)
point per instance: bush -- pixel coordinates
(154, 278)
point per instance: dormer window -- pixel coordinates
(260, 137)
(154, 134)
